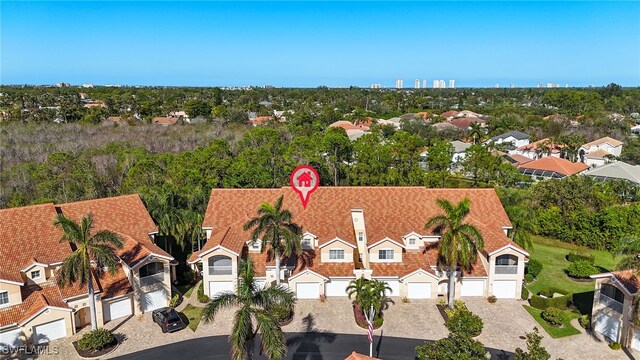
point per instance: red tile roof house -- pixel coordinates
(551, 168)
(350, 232)
(613, 300)
(34, 309)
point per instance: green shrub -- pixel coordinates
(281, 313)
(462, 321)
(615, 346)
(573, 257)
(492, 299)
(525, 293)
(581, 269)
(534, 267)
(547, 299)
(175, 300)
(453, 347)
(201, 296)
(97, 340)
(553, 316)
(528, 278)
(585, 321)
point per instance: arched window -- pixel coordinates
(507, 264)
(151, 269)
(220, 265)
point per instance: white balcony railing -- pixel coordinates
(220, 270)
(506, 269)
(610, 303)
(152, 279)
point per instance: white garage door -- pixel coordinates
(505, 289)
(260, 284)
(337, 288)
(154, 300)
(419, 290)
(117, 309)
(607, 326)
(10, 339)
(395, 287)
(635, 341)
(49, 331)
(472, 288)
(307, 290)
(217, 287)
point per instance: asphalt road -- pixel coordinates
(302, 346)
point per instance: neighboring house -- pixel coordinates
(180, 114)
(357, 356)
(538, 149)
(515, 138)
(351, 232)
(166, 121)
(444, 126)
(353, 131)
(464, 123)
(618, 170)
(515, 159)
(260, 120)
(449, 114)
(551, 168)
(394, 121)
(459, 150)
(33, 309)
(596, 152)
(612, 307)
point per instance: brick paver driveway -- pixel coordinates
(504, 323)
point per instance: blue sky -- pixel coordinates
(307, 44)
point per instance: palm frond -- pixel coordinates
(71, 231)
(273, 342)
(108, 238)
(241, 333)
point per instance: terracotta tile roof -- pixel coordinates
(629, 279)
(308, 260)
(355, 356)
(125, 215)
(519, 159)
(348, 126)
(555, 148)
(449, 113)
(27, 235)
(164, 120)
(611, 141)
(388, 211)
(35, 298)
(261, 120)
(598, 154)
(411, 261)
(465, 122)
(114, 285)
(552, 163)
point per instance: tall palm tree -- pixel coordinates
(274, 226)
(476, 132)
(521, 219)
(255, 305)
(94, 253)
(459, 242)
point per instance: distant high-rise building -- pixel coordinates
(442, 85)
(497, 85)
(399, 84)
(452, 84)
(416, 84)
(436, 84)
(375, 86)
(424, 84)
(511, 86)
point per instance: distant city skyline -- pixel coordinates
(335, 44)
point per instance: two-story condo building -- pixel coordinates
(595, 153)
(33, 309)
(371, 232)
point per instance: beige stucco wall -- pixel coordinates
(44, 275)
(47, 316)
(348, 252)
(419, 278)
(15, 297)
(307, 278)
(134, 279)
(519, 276)
(625, 338)
(397, 251)
(206, 278)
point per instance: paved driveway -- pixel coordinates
(504, 323)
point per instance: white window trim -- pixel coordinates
(336, 249)
(386, 250)
(7, 303)
(309, 243)
(35, 278)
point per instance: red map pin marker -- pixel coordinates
(304, 180)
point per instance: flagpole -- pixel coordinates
(371, 332)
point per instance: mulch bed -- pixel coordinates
(361, 320)
(441, 311)
(287, 321)
(93, 354)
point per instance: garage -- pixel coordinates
(472, 287)
(336, 288)
(218, 287)
(607, 326)
(307, 291)
(10, 339)
(635, 340)
(505, 289)
(117, 309)
(153, 300)
(417, 290)
(395, 287)
(50, 331)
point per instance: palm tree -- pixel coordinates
(476, 132)
(368, 294)
(94, 253)
(521, 219)
(255, 305)
(459, 243)
(274, 226)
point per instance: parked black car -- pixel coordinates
(168, 319)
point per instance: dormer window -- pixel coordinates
(35, 274)
(360, 236)
(336, 254)
(4, 297)
(255, 245)
(306, 244)
(412, 241)
(385, 254)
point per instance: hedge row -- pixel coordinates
(560, 302)
(573, 257)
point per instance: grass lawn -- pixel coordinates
(186, 290)
(555, 332)
(551, 253)
(192, 313)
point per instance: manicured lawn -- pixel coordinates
(193, 314)
(555, 332)
(186, 290)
